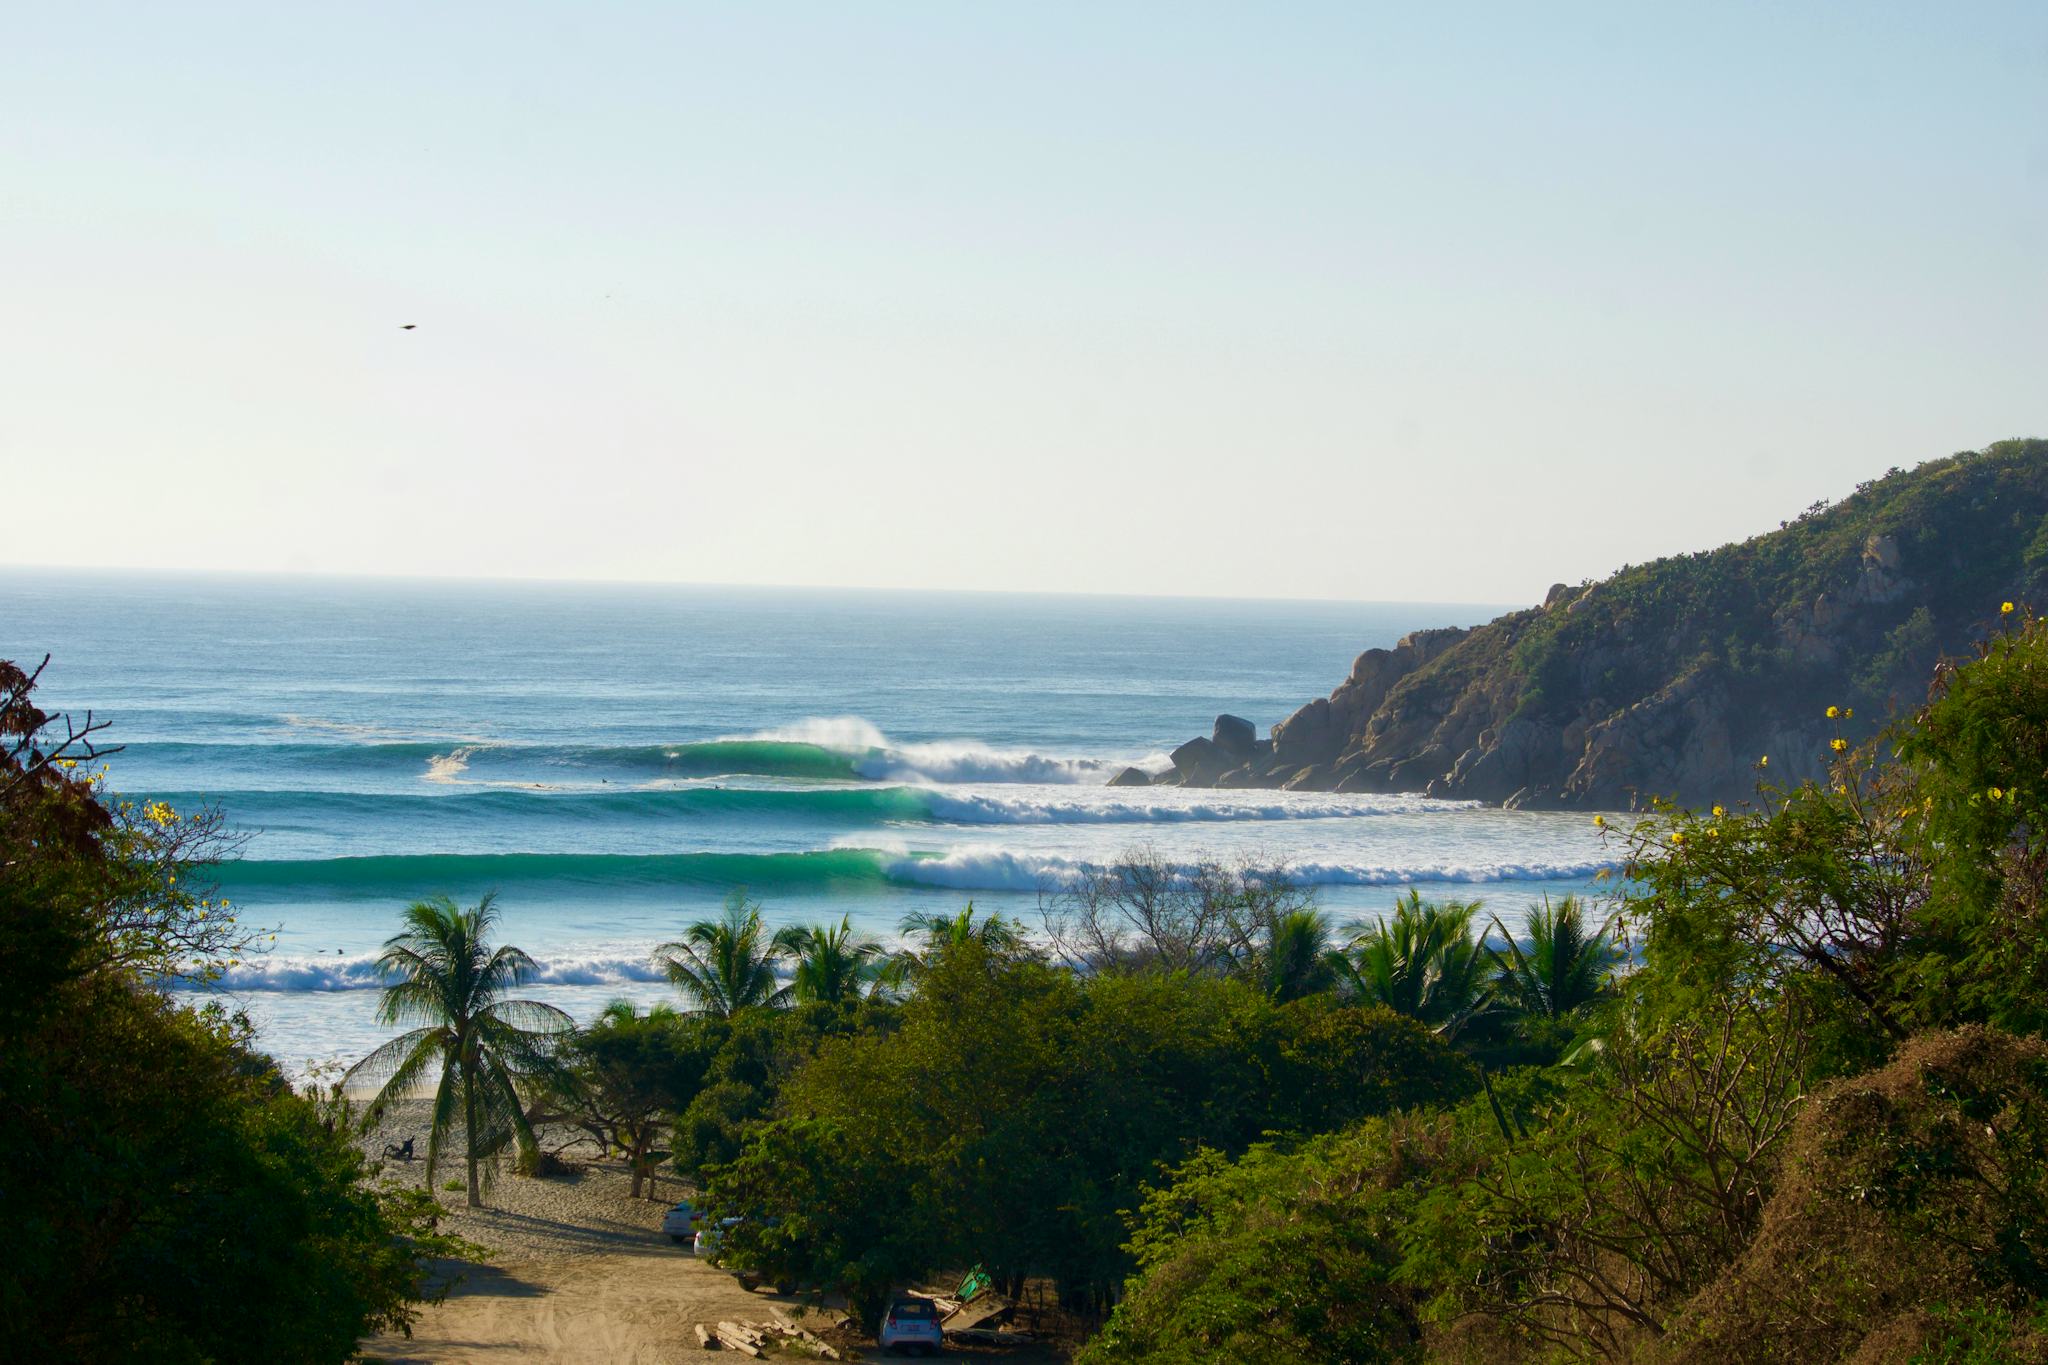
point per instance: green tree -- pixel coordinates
(1423, 963)
(1279, 1255)
(725, 965)
(1563, 970)
(167, 1196)
(1015, 1109)
(1978, 757)
(628, 1072)
(1296, 958)
(451, 982)
(930, 934)
(832, 964)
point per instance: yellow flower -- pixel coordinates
(1677, 836)
(1713, 831)
(1834, 713)
(1838, 744)
(1764, 762)
(1996, 793)
(1848, 713)
(2005, 609)
(1599, 822)
(1718, 812)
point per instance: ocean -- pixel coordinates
(612, 760)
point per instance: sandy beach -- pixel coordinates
(579, 1271)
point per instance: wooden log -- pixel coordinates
(733, 1338)
(704, 1338)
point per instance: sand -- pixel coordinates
(578, 1271)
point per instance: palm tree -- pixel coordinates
(833, 963)
(931, 934)
(1564, 969)
(1296, 959)
(1423, 963)
(726, 965)
(450, 982)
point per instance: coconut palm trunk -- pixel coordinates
(447, 978)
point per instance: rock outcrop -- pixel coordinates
(1673, 679)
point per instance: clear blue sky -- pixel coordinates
(1398, 302)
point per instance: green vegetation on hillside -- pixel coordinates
(166, 1196)
(1969, 531)
(1670, 678)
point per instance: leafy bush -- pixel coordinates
(1279, 1256)
(1915, 1187)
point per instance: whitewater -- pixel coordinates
(612, 761)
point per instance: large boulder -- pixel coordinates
(1308, 736)
(1235, 736)
(1198, 763)
(1131, 777)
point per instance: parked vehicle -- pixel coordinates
(680, 1222)
(911, 1324)
(710, 1238)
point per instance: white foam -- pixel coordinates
(988, 809)
(450, 766)
(985, 868)
(338, 973)
(880, 759)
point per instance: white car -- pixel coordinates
(710, 1238)
(680, 1222)
(911, 1324)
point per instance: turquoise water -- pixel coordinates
(612, 760)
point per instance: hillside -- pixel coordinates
(1673, 678)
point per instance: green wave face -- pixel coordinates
(747, 757)
(467, 875)
(838, 806)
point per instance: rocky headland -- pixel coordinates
(1673, 679)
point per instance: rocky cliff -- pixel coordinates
(1673, 678)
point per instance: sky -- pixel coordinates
(1390, 302)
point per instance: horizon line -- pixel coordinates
(538, 580)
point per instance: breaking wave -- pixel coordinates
(844, 749)
(980, 868)
(837, 806)
(360, 973)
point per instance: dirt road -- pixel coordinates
(577, 1271)
(633, 1306)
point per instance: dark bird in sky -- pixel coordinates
(407, 326)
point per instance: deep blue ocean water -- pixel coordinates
(613, 759)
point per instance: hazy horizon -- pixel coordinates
(1311, 303)
(291, 577)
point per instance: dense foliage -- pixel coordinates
(1015, 1109)
(1805, 1123)
(1967, 529)
(167, 1197)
